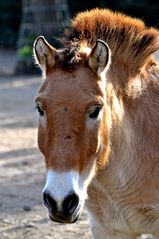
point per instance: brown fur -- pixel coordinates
(127, 37)
(123, 197)
(66, 93)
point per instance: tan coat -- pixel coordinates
(123, 191)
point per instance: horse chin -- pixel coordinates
(62, 219)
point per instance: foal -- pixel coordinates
(99, 124)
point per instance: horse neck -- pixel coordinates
(121, 131)
(132, 107)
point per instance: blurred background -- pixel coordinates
(21, 21)
(22, 169)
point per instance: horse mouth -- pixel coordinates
(61, 217)
(64, 219)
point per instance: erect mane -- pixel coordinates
(128, 38)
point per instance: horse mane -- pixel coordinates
(128, 38)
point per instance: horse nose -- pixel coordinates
(68, 206)
(49, 202)
(70, 203)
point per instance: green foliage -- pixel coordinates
(31, 37)
(25, 52)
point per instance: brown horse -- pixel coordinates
(99, 124)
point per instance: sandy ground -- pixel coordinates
(22, 169)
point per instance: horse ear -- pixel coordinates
(99, 58)
(44, 54)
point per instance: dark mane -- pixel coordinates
(70, 56)
(128, 38)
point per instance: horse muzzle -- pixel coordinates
(63, 219)
(69, 210)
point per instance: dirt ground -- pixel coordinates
(22, 169)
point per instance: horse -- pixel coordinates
(99, 124)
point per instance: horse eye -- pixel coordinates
(95, 113)
(41, 112)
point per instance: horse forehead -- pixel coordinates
(78, 74)
(72, 86)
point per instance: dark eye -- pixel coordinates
(41, 112)
(95, 113)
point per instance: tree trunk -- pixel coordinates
(40, 17)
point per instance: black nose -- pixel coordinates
(66, 212)
(49, 202)
(70, 203)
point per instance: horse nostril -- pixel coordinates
(70, 203)
(49, 202)
(68, 138)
